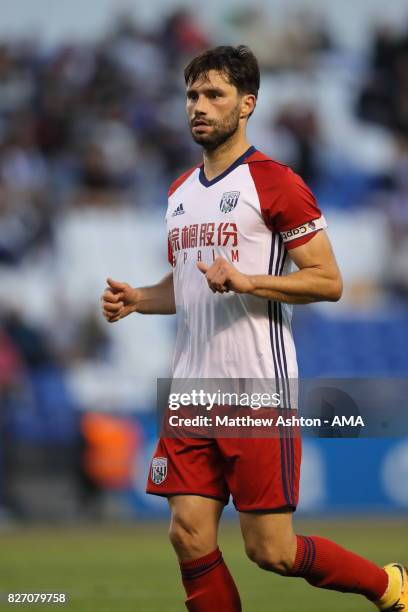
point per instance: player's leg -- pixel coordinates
(263, 477)
(269, 540)
(194, 525)
(193, 533)
(272, 544)
(189, 473)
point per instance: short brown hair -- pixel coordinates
(238, 63)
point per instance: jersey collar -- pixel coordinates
(207, 183)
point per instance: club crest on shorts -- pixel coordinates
(159, 470)
(229, 201)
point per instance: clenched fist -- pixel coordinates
(118, 300)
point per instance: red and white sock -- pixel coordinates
(327, 565)
(209, 584)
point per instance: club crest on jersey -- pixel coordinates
(229, 201)
(159, 470)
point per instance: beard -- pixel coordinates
(221, 132)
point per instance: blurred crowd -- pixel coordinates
(88, 124)
(384, 101)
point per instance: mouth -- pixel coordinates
(200, 123)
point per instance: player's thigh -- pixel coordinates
(269, 537)
(194, 524)
(262, 474)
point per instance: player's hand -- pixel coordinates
(222, 277)
(118, 300)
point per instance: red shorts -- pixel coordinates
(259, 473)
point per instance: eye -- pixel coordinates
(191, 95)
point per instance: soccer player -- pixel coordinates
(235, 225)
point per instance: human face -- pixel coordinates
(214, 110)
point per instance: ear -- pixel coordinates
(248, 104)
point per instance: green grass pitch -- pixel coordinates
(132, 568)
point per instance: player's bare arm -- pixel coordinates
(120, 299)
(318, 277)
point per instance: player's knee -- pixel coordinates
(186, 538)
(271, 558)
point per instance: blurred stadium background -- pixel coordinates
(92, 131)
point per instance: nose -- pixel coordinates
(200, 106)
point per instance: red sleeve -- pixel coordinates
(287, 204)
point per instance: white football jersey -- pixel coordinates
(252, 214)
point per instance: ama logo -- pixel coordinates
(229, 201)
